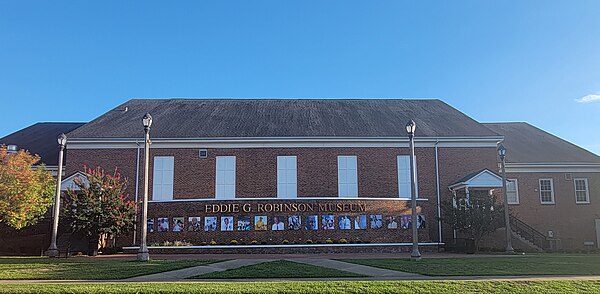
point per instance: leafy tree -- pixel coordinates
(476, 217)
(99, 207)
(25, 192)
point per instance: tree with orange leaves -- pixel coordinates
(25, 192)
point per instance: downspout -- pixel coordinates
(437, 182)
(137, 183)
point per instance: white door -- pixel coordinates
(598, 233)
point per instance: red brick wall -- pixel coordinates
(256, 170)
(571, 222)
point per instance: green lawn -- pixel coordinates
(317, 287)
(278, 269)
(85, 268)
(536, 264)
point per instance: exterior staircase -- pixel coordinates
(528, 235)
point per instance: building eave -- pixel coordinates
(275, 142)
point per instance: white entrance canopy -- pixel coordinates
(483, 179)
(69, 182)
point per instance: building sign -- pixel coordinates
(285, 207)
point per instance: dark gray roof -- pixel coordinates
(528, 144)
(206, 118)
(41, 139)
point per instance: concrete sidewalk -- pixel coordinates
(355, 268)
(196, 270)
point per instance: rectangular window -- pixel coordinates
(582, 193)
(225, 188)
(286, 177)
(404, 176)
(162, 178)
(546, 191)
(512, 191)
(347, 176)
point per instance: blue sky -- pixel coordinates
(494, 60)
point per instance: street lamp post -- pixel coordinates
(410, 129)
(53, 249)
(143, 254)
(502, 154)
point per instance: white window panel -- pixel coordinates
(162, 180)
(225, 177)
(512, 191)
(347, 176)
(546, 191)
(404, 176)
(287, 186)
(582, 193)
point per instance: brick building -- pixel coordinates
(339, 167)
(298, 171)
(554, 187)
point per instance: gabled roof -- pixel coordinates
(69, 182)
(527, 144)
(255, 118)
(483, 178)
(41, 139)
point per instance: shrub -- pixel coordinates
(328, 241)
(343, 241)
(285, 242)
(213, 242)
(181, 243)
(233, 242)
(254, 242)
(309, 241)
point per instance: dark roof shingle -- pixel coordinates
(212, 118)
(528, 144)
(41, 139)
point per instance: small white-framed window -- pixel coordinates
(162, 178)
(287, 177)
(582, 192)
(225, 177)
(546, 191)
(404, 176)
(347, 177)
(512, 191)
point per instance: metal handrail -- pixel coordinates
(529, 233)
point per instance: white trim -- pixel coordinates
(467, 183)
(552, 167)
(587, 190)
(516, 191)
(286, 246)
(335, 198)
(551, 190)
(285, 142)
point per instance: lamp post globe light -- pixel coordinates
(410, 129)
(53, 249)
(502, 154)
(143, 254)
